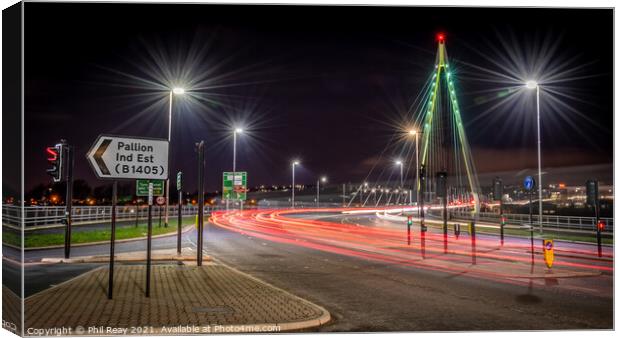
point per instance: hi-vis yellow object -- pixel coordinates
(548, 252)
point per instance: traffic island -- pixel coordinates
(184, 300)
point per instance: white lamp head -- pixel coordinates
(178, 91)
(238, 130)
(531, 84)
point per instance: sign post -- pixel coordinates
(69, 199)
(498, 193)
(528, 184)
(122, 157)
(148, 240)
(112, 240)
(200, 148)
(180, 211)
(593, 200)
(422, 188)
(442, 192)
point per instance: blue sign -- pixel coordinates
(528, 183)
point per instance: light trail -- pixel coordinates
(482, 257)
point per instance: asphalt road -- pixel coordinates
(365, 295)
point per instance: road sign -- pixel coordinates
(236, 190)
(120, 157)
(528, 183)
(142, 187)
(548, 252)
(161, 200)
(179, 181)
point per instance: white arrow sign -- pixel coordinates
(120, 157)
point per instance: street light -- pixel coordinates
(318, 183)
(235, 132)
(415, 133)
(531, 84)
(293, 164)
(400, 163)
(174, 91)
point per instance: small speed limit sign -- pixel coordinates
(161, 200)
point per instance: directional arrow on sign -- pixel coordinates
(99, 154)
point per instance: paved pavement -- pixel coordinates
(184, 299)
(11, 311)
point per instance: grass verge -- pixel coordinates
(33, 240)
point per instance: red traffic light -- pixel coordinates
(601, 225)
(441, 37)
(52, 154)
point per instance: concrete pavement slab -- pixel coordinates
(184, 300)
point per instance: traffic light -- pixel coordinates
(601, 225)
(54, 158)
(409, 221)
(503, 220)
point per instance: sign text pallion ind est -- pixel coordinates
(135, 146)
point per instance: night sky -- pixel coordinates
(322, 83)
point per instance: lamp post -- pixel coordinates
(534, 85)
(235, 132)
(293, 164)
(415, 133)
(174, 91)
(400, 163)
(318, 188)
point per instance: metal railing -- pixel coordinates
(53, 215)
(548, 221)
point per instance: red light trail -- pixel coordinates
(511, 263)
